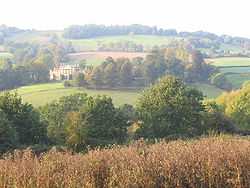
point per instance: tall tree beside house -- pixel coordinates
(80, 80)
(97, 77)
(39, 72)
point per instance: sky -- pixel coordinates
(217, 16)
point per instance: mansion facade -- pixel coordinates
(64, 72)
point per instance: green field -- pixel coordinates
(41, 94)
(148, 41)
(230, 61)
(238, 69)
(5, 55)
(235, 69)
(96, 58)
(238, 79)
(209, 91)
(39, 37)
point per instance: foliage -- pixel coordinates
(236, 105)
(8, 135)
(56, 112)
(140, 73)
(170, 108)
(80, 81)
(76, 131)
(23, 75)
(88, 31)
(79, 120)
(216, 121)
(20, 122)
(105, 123)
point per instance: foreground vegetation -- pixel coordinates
(168, 109)
(207, 162)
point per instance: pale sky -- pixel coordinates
(218, 16)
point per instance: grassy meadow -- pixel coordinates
(148, 41)
(209, 91)
(230, 61)
(96, 58)
(237, 69)
(207, 162)
(41, 94)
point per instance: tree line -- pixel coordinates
(6, 31)
(126, 46)
(138, 72)
(168, 109)
(91, 30)
(31, 63)
(199, 38)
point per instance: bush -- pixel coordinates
(68, 83)
(216, 121)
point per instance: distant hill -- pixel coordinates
(132, 38)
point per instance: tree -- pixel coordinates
(8, 135)
(215, 120)
(105, 124)
(198, 70)
(39, 72)
(170, 108)
(24, 119)
(236, 105)
(45, 57)
(80, 80)
(175, 67)
(56, 112)
(111, 75)
(97, 77)
(76, 132)
(126, 74)
(154, 66)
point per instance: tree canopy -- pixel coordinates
(170, 109)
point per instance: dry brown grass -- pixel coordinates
(208, 162)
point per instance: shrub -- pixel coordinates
(68, 83)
